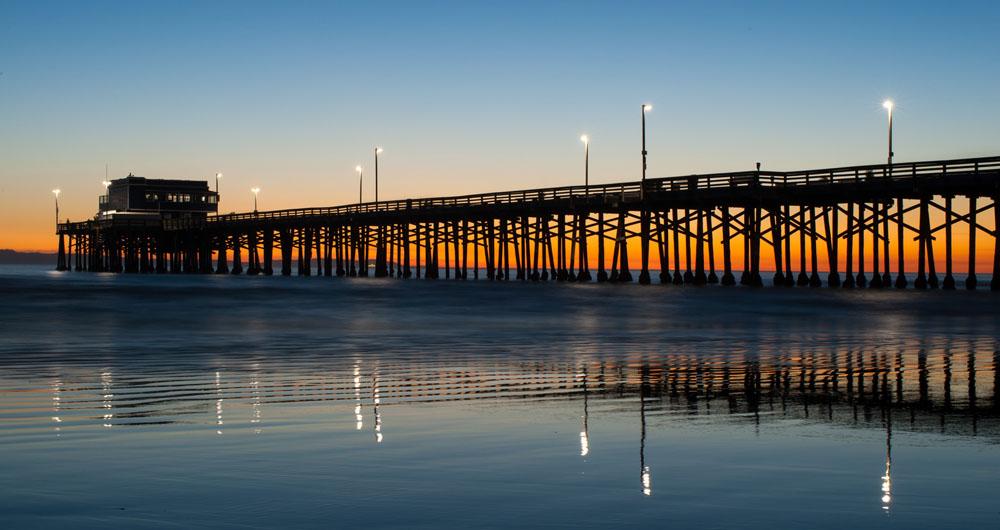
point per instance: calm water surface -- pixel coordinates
(191, 401)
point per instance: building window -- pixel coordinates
(212, 199)
(152, 196)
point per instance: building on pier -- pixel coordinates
(162, 198)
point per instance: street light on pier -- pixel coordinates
(56, 192)
(255, 192)
(361, 182)
(586, 161)
(646, 107)
(378, 151)
(218, 177)
(888, 105)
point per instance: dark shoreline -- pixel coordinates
(13, 257)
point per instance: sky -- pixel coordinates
(470, 97)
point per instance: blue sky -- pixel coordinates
(473, 96)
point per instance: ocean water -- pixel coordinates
(182, 401)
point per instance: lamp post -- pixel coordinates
(586, 161)
(255, 192)
(888, 104)
(378, 151)
(56, 192)
(218, 177)
(646, 107)
(361, 182)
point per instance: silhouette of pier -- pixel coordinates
(849, 223)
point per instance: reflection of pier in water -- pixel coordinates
(948, 387)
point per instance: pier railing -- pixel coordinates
(907, 171)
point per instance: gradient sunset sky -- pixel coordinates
(470, 96)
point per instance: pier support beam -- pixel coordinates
(584, 231)
(237, 260)
(901, 281)
(776, 242)
(688, 274)
(886, 273)
(803, 278)
(849, 262)
(712, 276)
(700, 278)
(814, 280)
(876, 282)
(995, 283)
(949, 279)
(61, 258)
(268, 252)
(285, 237)
(832, 221)
(727, 241)
(624, 275)
(663, 247)
(678, 279)
(922, 238)
(644, 245)
(971, 282)
(602, 274)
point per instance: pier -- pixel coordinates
(839, 227)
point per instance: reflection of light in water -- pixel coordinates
(584, 431)
(376, 399)
(647, 482)
(886, 487)
(357, 395)
(107, 397)
(218, 403)
(887, 477)
(56, 405)
(255, 401)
